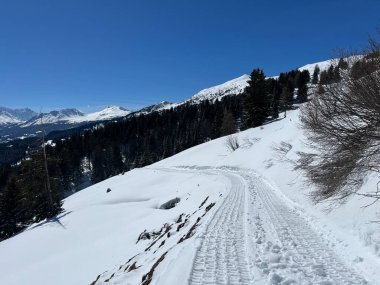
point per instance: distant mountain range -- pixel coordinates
(23, 123)
(14, 116)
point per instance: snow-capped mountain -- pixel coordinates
(156, 107)
(232, 87)
(53, 117)
(108, 113)
(74, 116)
(28, 124)
(237, 85)
(13, 116)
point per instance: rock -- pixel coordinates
(170, 204)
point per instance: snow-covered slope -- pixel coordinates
(52, 117)
(73, 116)
(236, 86)
(13, 116)
(262, 229)
(163, 105)
(323, 65)
(24, 126)
(232, 87)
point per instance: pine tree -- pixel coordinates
(98, 166)
(337, 76)
(342, 64)
(256, 100)
(315, 74)
(284, 99)
(228, 123)
(10, 210)
(304, 78)
(302, 93)
(324, 78)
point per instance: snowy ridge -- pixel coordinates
(236, 86)
(73, 116)
(163, 105)
(106, 114)
(232, 87)
(323, 65)
(13, 116)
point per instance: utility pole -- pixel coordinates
(50, 198)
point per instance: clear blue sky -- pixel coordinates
(56, 54)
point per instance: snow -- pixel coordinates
(14, 116)
(73, 116)
(106, 114)
(323, 65)
(263, 228)
(232, 87)
(237, 85)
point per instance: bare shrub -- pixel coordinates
(343, 127)
(281, 150)
(249, 142)
(232, 143)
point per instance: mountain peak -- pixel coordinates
(12, 116)
(232, 87)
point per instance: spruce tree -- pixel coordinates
(228, 123)
(342, 64)
(315, 74)
(10, 210)
(256, 100)
(302, 93)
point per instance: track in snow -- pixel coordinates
(221, 258)
(255, 237)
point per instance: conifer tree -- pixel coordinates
(342, 64)
(10, 210)
(228, 123)
(315, 74)
(256, 99)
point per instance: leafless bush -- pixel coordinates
(232, 143)
(249, 142)
(281, 150)
(343, 128)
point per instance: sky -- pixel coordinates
(90, 54)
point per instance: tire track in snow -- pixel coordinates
(222, 256)
(263, 242)
(296, 254)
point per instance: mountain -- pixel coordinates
(28, 123)
(156, 107)
(232, 87)
(235, 220)
(13, 116)
(73, 116)
(237, 85)
(53, 117)
(108, 113)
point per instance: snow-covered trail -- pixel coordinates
(222, 257)
(257, 237)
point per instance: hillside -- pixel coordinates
(96, 238)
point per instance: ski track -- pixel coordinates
(255, 237)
